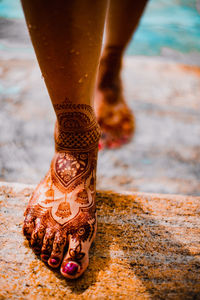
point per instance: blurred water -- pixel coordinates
(11, 9)
(167, 23)
(173, 24)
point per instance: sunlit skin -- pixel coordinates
(60, 219)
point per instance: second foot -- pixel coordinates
(115, 119)
(113, 114)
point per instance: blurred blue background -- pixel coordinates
(173, 24)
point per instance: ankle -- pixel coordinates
(76, 127)
(112, 56)
(109, 68)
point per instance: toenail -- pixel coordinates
(54, 261)
(44, 256)
(70, 268)
(100, 146)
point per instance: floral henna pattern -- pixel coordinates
(76, 254)
(68, 171)
(65, 200)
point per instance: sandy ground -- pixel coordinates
(147, 247)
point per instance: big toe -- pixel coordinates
(76, 260)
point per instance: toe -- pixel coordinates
(76, 260)
(37, 236)
(59, 244)
(47, 244)
(28, 226)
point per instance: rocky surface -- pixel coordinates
(147, 247)
(164, 155)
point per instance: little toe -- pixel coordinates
(59, 244)
(76, 260)
(37, 236)
(47, 244)
(28, 226)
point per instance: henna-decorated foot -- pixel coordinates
(113, 114)
(61, 215)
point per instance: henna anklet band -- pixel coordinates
(76, 128)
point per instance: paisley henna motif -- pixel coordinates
(67, 173)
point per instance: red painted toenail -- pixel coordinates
(100, 146)
(70, 268)
(54, 261)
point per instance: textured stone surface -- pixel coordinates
(147, 247)
(164, 155)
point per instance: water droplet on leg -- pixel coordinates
(80, 80)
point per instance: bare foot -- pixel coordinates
(113, 114)
(60, 220)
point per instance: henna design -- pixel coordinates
(59, 242)
(92, 184)
(36, 240)
(73, 120)
(82, 197)
(77, 140)
(76, 128)
(76, 254)
(68, 171)
(50, 193)
(66, 104)
(84, 232)
(65, 199)
(47, 244)
(63, 210)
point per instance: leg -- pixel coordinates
(113, 114)
(67, 38)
